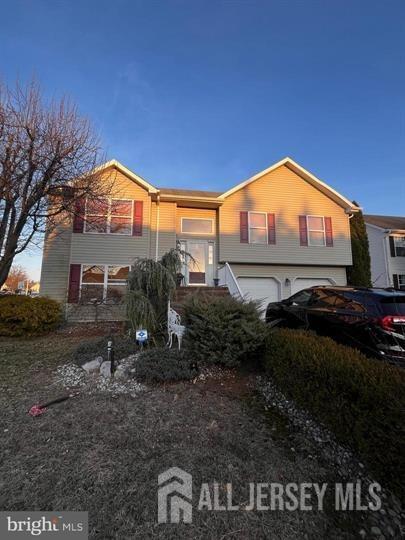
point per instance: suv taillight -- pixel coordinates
(389, 321)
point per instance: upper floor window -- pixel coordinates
(258, 228)
(109, 216)
(399, 243)
(197, 226)
(316, 230)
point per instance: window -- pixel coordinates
(257, 228)
(112, 216)
(103, 283)
(197, 226)
(96, 216)
(401, 281)
(120, 217)
(324, 298)
(399, 242)
(316, 230)
(352, 302)
(116, 282)
(301, 298)
(210, 253)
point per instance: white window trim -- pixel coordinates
(260, 228)
(105, 282)
(210, 257)
(316, 230)
(198, 233)
(395, 243)
(109, 215)
(401, 281)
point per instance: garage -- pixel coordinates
(264, 289)
(304, 283)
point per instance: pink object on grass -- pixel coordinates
(36, 410)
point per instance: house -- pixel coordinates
(266, 238)
(386, 236)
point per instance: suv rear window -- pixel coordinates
(393, 305)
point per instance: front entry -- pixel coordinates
(198, 268)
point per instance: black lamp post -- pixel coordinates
(110, 354)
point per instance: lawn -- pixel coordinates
(103, 454)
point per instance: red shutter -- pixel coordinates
(303, 230)
(74, 283)
(271, 228)
(244, 230)
(138, 219)
(78, 218)
(328, 232)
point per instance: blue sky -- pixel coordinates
(204, 94)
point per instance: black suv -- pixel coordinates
(372, 320)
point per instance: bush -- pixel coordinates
(123, 347)
(361, 400)
(23, 315)
(222, 330)
(160, 365)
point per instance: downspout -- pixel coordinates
(351, 215)
(157, 224)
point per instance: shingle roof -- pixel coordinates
(386, 222)
(189, 192)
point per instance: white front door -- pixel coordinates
(199, 266)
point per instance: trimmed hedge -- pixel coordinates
(361, 400)
(222, 330)
(161, 365)
(23, 315)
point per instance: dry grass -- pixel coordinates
(103, 454)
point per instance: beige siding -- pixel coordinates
(167, 228)
(287, 195)
(183, 212)
(379, 252)
(281, 273)
(396, 264)
(55, 261)
(114, 248)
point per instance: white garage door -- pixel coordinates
(263, 289)
(304, 283)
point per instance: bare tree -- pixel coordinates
(49, 156)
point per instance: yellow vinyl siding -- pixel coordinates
(55, 260)
(115, 248)
(183, 212)
(167, 228)
(287, 195)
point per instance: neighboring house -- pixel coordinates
(266, 238)
(386, 236)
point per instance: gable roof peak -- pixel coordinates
(127, 172)
(306, 175)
